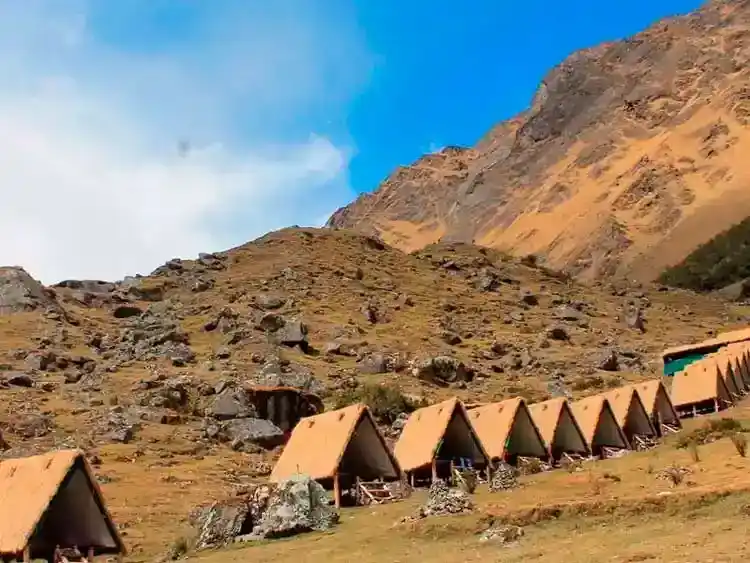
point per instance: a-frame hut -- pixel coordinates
(337, 449)
(658, 405)
(696, 390)
(737, 357)
(50, 502)
(559, 428)
(725, 364)
(599, 426)
(507, 431)
(742, 349)
(631, 415)
(437, 437)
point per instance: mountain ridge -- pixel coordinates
(628, 151)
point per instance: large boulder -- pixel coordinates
(295, 506)
(220, 522)
(247, 434)
(20, 292)
(232, 403)
(269, 511)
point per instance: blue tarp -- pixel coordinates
(678, 364)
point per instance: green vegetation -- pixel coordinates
(386, 402)
(710, 431)
(722, 261)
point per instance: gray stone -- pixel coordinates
(19, 379)
(297, 505)
(271, 322)
(20, 292)
(442, 369)
(567, 313)
(269, 302)
(230, 404)
(294, 333)
(244, 433)
(608, 361)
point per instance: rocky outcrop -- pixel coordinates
(20, 292)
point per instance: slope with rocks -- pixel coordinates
(629, 157)
(147, 374)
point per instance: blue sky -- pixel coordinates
(289, 109)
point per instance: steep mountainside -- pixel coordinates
(630, 156)
(147, 374)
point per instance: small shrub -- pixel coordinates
(531, 466)
(694, 453)
(386, 402)
(178, 549)
(740, 443)
(611, 477)
(571, 465)
(710, 431)
(675, 475)
(595, 483)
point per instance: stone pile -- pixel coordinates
(442, 500)
(504, 478)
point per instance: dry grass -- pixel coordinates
(153, 483)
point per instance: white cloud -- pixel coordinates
(92, 184)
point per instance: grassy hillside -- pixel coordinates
(722, 261)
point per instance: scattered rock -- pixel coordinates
(499, 348)
(232, 403)
(635, 319)
(442, 370)
(450, 337)
(371, 312)
(557, 333)
(293, 333)
(567, 313)
(41, 360)
(269, 302)
(225, 321)
(374, 363)
(487, 280)
(608, 361)
(245, 434)
(276, 373)
(340, 349)
(503, 535)
(19, 379)
(271, 322)
(529, 298)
